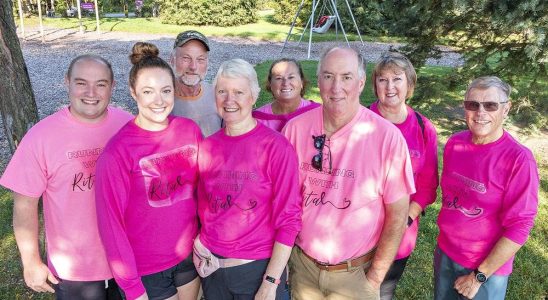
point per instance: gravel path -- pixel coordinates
(47, 62)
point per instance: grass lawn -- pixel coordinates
(530, 266)
(264, 29)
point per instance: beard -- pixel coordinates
(191, 80)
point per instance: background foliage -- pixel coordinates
(210, 12)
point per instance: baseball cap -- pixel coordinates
(186, 36)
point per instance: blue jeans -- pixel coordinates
(446, 271)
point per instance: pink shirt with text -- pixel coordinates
(248, 195)
(265, 115)
(56, 161)
(145, 200)
(423, 150)
(343, 212)
(488, 192)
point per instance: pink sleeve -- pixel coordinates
(399, 181)
(427, 180)
(287, 203)
(112, 194)
(520, 203)
(26, 172)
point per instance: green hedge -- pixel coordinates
(209, 12)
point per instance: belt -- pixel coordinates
(345, 265)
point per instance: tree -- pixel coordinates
(17, 104)
(506, 38)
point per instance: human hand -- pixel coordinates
(267, 291)
(467, 285)
(37, 277)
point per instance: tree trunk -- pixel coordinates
(17, 104)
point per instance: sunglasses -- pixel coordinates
(317, 160)
(487, 105)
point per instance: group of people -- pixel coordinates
(290, 200)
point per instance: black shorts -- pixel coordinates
(164, 284)
(87, 290)
(241, 282)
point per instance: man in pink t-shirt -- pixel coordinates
(356, 177)
(489, 188)
(56, 161)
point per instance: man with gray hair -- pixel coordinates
(356, 177)
(194, 98)
(489, 189)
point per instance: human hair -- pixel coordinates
(396, 62)
(145, 56)
(362, 63)
(239, 68)
(288, 60)
(486, 82)
(90, 57)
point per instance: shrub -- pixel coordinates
(211, 12)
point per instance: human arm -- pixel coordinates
(25, 227)
(112, 188)
(389, 241)
(427, 177)
(275, 268)
(504, 249)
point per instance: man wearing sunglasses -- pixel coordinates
(356, 178)
(489, 199)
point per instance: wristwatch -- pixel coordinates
(271, 279)
(480, 276)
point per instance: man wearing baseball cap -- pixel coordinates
(195, 99)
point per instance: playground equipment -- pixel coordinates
(329, 6)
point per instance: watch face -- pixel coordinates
(481, 277)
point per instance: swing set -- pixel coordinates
(328, 15)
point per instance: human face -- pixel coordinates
(486, 126)
(339, 83)
(392, 87)
(89, 90)
(286, 82)
(154, 94)
(234, 100)
(190, 63)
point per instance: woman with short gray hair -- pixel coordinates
(248, 198)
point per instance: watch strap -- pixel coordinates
(271, 279)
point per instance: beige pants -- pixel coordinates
(310, 283)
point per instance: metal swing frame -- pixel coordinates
(338, 22)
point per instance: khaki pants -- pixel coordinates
(308, 282)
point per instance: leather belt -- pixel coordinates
(345, 265)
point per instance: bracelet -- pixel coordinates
(271, 279)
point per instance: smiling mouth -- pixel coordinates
(481, 122)
(90, 102)
(230, 109)
(158, 110)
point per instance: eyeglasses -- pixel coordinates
(317, 160)
(487, 105)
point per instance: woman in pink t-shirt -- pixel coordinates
(394, 80)
(146, 179)
(248, 196)
(287, 84)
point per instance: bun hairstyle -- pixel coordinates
(145, 56)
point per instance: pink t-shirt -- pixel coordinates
(248, 195)
(56, 160)
(145, 200)
(488, 192)
(423, 150)
(265, 115)
(343, 212)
